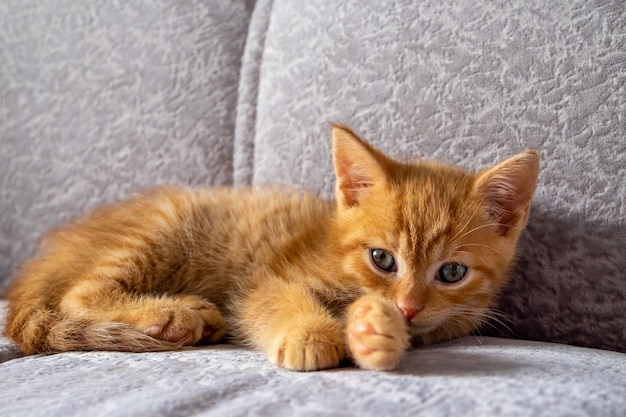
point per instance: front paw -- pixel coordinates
(308, 346)
(377, 334)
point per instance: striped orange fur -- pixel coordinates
(409, 251)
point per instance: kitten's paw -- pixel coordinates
(377, 334)
(310, 345)
(185, 320)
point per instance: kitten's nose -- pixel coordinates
(409, 312)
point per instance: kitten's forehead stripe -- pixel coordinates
(432, 199)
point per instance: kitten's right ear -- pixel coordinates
(508, 188)
(358, 166)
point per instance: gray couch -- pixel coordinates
(101, 99)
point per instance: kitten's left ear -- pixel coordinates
(507, 190)
(358, 166)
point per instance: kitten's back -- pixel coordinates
(169, 240)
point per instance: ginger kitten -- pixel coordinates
(409, 252)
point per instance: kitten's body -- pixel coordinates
(284, 272)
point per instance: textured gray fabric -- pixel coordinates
(99, 99)
(471, 376)
(470, 83)
(248, 92)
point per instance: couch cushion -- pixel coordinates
(469, 83)
(100, 99)
(470, 376)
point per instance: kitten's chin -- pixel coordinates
(426, 333)
(421, 329)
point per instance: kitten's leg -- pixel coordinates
(289, 323)
(377, 333)
(101, 305)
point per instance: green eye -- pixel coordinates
(451, 273)
(383, 260)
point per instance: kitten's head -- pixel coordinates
(437, 241)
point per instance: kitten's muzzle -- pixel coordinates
(409, 312)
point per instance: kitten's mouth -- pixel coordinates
(422, 328)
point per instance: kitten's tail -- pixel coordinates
(83, 334)
(41, 330)
(34, 321)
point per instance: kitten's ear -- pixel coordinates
(358, 166)
(508, 188)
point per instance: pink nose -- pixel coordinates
(409, 312)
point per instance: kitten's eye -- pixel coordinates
(384, 260)
(451, 273)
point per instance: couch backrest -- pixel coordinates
(101, 99)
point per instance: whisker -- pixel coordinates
(478, 317)
(471, 253)
(489, 318)
(482, 226)
(480, 245)
(462, 229)
(478, 338)
(499, 318)
(496, 224)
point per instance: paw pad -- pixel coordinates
(377, 334)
